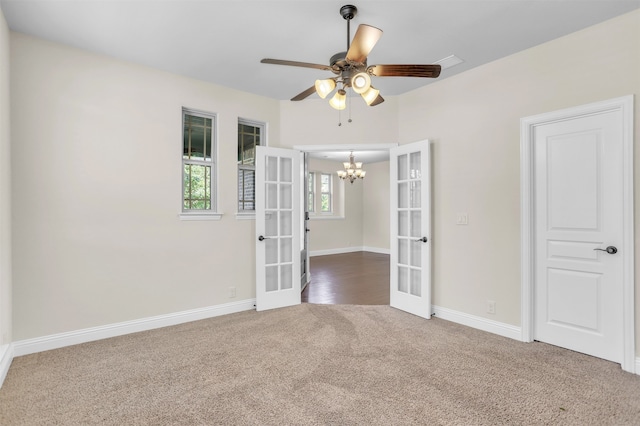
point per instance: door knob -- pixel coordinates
(422, 240)
(261, 238)
(610, 250)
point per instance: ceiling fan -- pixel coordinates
(351, 67)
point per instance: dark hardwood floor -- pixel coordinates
(358, 278)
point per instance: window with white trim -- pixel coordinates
(198, 162)
(250, 135)
(325, 193)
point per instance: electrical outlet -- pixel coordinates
(232, 292)
(491, 307)
(462, 218)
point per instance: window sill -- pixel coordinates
(246, 216)
(327, 217)
(200, 216)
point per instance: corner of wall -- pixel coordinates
(6, 350)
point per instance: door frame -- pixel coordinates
(527, 216)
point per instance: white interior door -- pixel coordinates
(410, 174)
(578, 290)
(277, 228)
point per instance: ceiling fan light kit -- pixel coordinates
(351, 67)
(361, 82)
(339, 100)
(324, 87)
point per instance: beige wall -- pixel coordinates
(5, 188)
(342, 229)
(96, 159)
(375, 206)
(474, 121)
(314, 122)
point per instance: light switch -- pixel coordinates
(462, 219)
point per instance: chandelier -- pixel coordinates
(352, 170)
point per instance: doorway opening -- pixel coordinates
(346, 247)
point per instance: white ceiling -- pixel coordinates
(222, 41)
(366, 156)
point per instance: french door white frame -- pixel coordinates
(527, 217)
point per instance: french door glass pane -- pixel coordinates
(285, 169)
(415, 172)
(416, 225)
(403, 279)
(286, 275)
(415, 288)
(271, 251)
(285, 196)
(285, 249)
(271, 168)
(271, 278)
(403, 223)
(416, 252)
(286, 227)
(402, 167)
(415, 194)
(271, 196)
(403, 195)
(271, 224)
(403, 251)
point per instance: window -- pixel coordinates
(325, 193)
(250, 135)
(311, 191)
(324, 202)
(198, 162)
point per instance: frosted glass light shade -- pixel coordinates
(370, 95)
(324, 87)
(339, 100)
(361, 82)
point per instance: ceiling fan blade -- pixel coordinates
(302, 95)
(296, 64)
(366, 37)
(377, 101)
(429, 71)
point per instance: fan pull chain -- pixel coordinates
(349, 121)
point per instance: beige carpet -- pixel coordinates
(317, 364)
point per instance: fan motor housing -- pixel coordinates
(348, 11)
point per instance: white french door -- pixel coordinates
(410, 174)
(277, 228)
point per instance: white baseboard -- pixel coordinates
(348, 250)
(484, 324)
(55, 341)
(376, 250)
(334, 251)
(6, 356)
